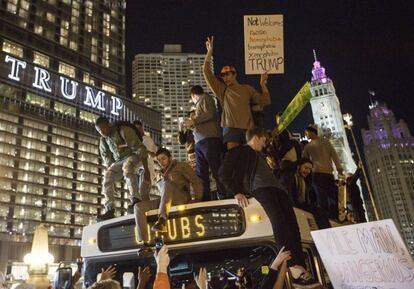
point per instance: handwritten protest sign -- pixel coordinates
(366, 256)
(263, 44)
(295, 107)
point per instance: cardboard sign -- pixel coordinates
(263, 44)
(295, 107)
(366, 256)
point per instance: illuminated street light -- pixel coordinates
(348, 124)
(39, 258)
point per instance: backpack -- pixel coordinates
(118, 125)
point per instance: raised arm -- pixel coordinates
(215, 84)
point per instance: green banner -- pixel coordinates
(295, 107)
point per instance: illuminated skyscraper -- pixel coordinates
(389, 154)
(162, 81)
(61, 65)
(327, 115)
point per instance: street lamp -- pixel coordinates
(349, 123)
(39, 258)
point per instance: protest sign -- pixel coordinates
(263, 44)
(366, 256)
(295, 107)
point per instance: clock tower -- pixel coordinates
(327, 115)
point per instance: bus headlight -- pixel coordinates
(92, 241)
(181, 208)
(255, 218)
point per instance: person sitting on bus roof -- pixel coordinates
(174, 186)
(122, 153)
(244, 172)
(298, 182)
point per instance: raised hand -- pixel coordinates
(143, 276)
(163, 259)
(263, 79)
(201, 279)
(209, 44)
(281, 257)
(108, 273)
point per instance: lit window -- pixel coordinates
(41, 59)
(73, 45)
(37, 100)
(89, 117)
(12, 6)
(67, 69)
(88, 79)
(38, 29)
(108, 87)
(50, 17)
(107, 24)
(12, 48)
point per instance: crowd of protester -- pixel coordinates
(273, 279)
(225, 139)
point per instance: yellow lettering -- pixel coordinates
(136, 234)
(185, 227)
(172, 234)
(149, 233)
(198, 223)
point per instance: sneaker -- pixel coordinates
(145, 251)
(305, 281)
(109, 214)
(160, 226)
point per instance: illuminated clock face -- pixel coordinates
(323, 106)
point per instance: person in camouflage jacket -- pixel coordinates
(122, 153)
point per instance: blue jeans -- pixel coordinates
(326, 193)
(208, 153)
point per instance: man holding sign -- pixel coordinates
(235, 99)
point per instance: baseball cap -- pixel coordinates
(227, 69)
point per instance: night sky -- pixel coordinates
(363, 45)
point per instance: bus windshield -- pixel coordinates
(224, 267)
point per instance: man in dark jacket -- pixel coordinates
(298, 185)
(245, 173)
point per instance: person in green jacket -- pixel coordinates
(122, 153)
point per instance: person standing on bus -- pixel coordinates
(245, 173)
(208, 147)
(122, 153)
(322, 154)
(235, 99)
(298, 184)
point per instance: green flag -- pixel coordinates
(295, 107)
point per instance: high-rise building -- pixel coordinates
(61, 66)
(389, 154)
(162, 81)
(327, 115)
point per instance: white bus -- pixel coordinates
(218, 235)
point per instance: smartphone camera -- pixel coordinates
(158, 244)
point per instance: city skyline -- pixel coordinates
(364, 46)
